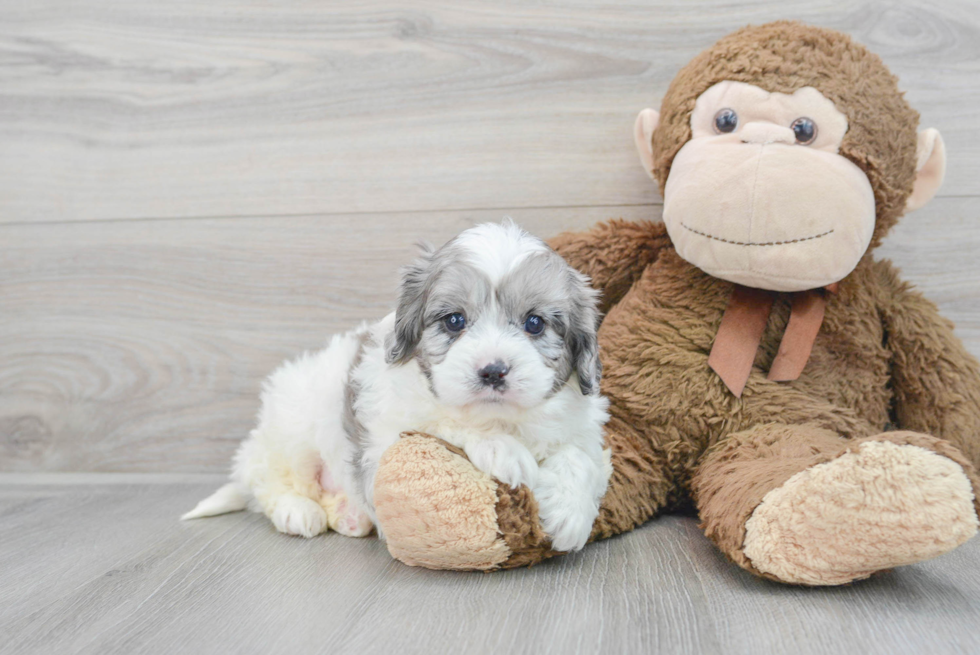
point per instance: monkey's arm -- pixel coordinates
(613, 253)
(936, 381)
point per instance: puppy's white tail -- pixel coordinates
(230, 498)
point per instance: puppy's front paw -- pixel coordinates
(566, 514)
(300, 516)
(504, 458)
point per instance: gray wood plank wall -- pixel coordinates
(191, 192)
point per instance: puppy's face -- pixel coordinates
(496, 318)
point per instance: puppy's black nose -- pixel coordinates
(493, 374)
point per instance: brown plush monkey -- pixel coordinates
(760, 363)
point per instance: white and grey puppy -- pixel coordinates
(492, 348)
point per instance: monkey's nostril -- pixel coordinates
(763, 133)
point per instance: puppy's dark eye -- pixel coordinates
(455, 322)
(726, 121)
(534, 324)
(805, 131)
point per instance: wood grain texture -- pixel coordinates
(191, 192)
(131, 110)
(106, 568)
(141, 345)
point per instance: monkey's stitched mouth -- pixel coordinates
(753, 243)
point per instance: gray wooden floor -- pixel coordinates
(95, 564)
(192, 191)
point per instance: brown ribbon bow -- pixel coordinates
(741, 331)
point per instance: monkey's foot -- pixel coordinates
(878, 506)
(435, 509)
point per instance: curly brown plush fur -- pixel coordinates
(889, 401)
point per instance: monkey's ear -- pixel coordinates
(643, 129)
(930, 168)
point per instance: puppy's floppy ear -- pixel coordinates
(413, 292)
(581, 336)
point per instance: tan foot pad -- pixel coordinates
(435, 509)
(884, 505)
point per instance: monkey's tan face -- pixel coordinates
(760, 195)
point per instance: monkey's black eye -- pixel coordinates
(455, 322)
(805, 130)
(534, 324)
(726, 121)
